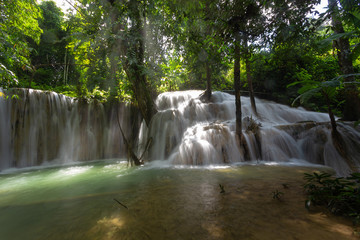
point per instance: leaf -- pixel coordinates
(307, 87)
(331, 84)
(307, 95)
(345, 76)
(327, 41)
(293, 84)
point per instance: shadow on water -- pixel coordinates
(77, 202)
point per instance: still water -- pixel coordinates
(109, 200)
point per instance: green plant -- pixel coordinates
(98, 94)
(277, 195)
(340, 195)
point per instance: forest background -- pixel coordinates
(132, 50)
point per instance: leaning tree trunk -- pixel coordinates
(352, 100)
(237, 90)
(338, 141)
(251, 89)
(208, 91)
(334, 131)
(206, 96)
(248, 76)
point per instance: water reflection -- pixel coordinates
(162, 203)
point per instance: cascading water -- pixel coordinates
(189, 131)
(39, 127)
(107, 200)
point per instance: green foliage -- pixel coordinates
(311, 88)
(8, 78)
(329, 90)
(273, 70)
(18, 22)
(103, 48)
(174, 75)
(67, 90)
(51, 61)
(341, 196)
(100, 95)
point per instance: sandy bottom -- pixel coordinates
(178, 204)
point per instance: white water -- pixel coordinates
(47, 128)
(188, 131)
(41, 127)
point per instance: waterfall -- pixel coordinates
(188, 131)
(5, 133)
(38, 127)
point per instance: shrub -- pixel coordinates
(340, 195)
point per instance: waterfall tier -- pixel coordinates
(38, 127)
(189, 131)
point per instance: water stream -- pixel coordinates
(161, 202)
(50, 187)
(189, 131)
(39, 128)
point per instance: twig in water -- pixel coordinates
(120, 203)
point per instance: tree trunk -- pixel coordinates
(141, 90)
(237, 90)
(251, 89)
(206, 96)
(334, 131)
(132, 158)
(351, 110)
(208, 91)
(208, 81)
(64, 77)
(132, 51)
(248, 76)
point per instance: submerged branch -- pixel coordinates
(120, 203)
(133, 158)
(131, 155)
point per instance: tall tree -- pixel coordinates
(237, 88)
(131, 42)
(344, 54)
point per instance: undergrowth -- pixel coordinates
(341, 196)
